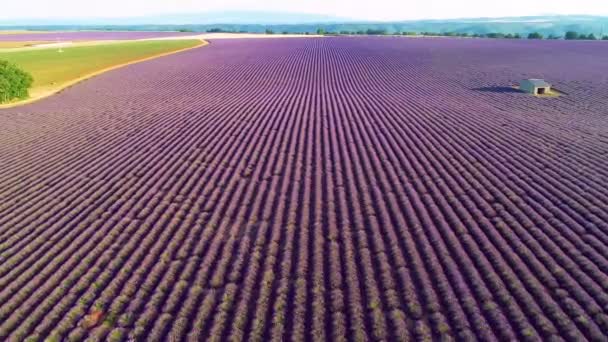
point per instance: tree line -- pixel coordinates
(570, 35)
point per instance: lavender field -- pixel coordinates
(313, 189)
(88, 35)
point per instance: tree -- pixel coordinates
(553, 37)
(269, 31)
(495, 35)
(571, 35)
(589, 36)
(14, 82)
(605, 38)
(320, 31)
(5, 85)
(375, 32)
(535, 35)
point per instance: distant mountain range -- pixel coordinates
(300, 23)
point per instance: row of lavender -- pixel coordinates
(323, 188)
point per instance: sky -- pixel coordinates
(353, 9)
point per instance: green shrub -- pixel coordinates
(571, 35)
(497, 35)
(14, 82)
(535, 35)
(376, 32)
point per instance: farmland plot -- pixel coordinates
(338, 188)
(87, 35)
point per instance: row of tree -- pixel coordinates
(571, 35)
